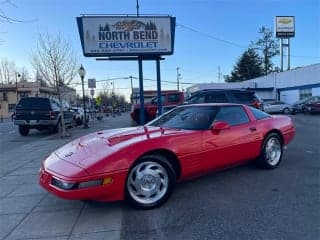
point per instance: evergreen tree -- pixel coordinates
(268, 46)
(248, 66)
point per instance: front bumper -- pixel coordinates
(108, 192)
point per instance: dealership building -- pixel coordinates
(288, 86)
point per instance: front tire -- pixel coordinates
(150, 182)
(271, 152)
(24, 130)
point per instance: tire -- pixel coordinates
(58, 127)
(150, 182)
(271, 152)
(286, 111)
(24, 130)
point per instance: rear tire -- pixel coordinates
(286, 111)
(58, 127)
(271, 152)
(150, 182)
(24, 130)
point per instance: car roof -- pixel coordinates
(213, 104)
(223, 90)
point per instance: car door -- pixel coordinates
(233, 145)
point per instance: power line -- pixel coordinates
(212, 37)
(231, 42)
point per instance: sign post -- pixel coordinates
(285, 29)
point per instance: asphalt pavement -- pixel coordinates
(239, 203)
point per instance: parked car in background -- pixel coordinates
(40, 113)
(313, 105)
(226, 96)
(168, 99)
(78, 115)
(274, 106)
(301, 105)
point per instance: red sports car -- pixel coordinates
(142, 164)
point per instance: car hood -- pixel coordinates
(86, 151)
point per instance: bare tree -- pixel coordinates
(7, 71)
(55, 61)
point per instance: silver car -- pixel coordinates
(276, 107)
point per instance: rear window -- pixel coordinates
(259, 114)
(244, 97)
(34, 103)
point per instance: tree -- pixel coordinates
(55, 61)
(247, 67)
(268, 46)
(7, 71)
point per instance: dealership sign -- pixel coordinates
(285, 26)
(103, 36)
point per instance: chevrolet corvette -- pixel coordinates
(142, 164)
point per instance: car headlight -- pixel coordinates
(63, 185)
(70, 186)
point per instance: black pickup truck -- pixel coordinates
(40, 113)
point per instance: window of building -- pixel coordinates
(305, 93)
(11, 107)
(5, 96)
(23, 94)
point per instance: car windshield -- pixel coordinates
(186, 117)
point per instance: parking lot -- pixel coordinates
(240, 203)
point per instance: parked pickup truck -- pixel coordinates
(168, 101)
(40, 113)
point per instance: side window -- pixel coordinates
(197, 99)
(243, 97)
(215, 98)
(173, 98)
(234, 115)
(55, 105)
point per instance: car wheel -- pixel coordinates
(286, 111)
(58, 127)
(150, 182)
(271, 152)
(24, 130)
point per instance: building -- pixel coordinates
(289, 86)
(10, 94)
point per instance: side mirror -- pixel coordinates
(218, 126)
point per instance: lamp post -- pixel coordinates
(17, 76)
(82, 73)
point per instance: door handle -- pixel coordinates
(252, 129)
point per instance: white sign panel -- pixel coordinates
(91, 83)
(285, 26)
(126, 36)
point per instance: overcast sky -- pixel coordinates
(198, 52)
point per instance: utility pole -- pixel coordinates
(219, 74)
(178, 78)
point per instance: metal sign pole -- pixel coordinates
(159, 86)
(288, 53)
(142, 120)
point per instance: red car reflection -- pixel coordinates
(142, 164)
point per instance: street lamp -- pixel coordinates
(82, 73)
